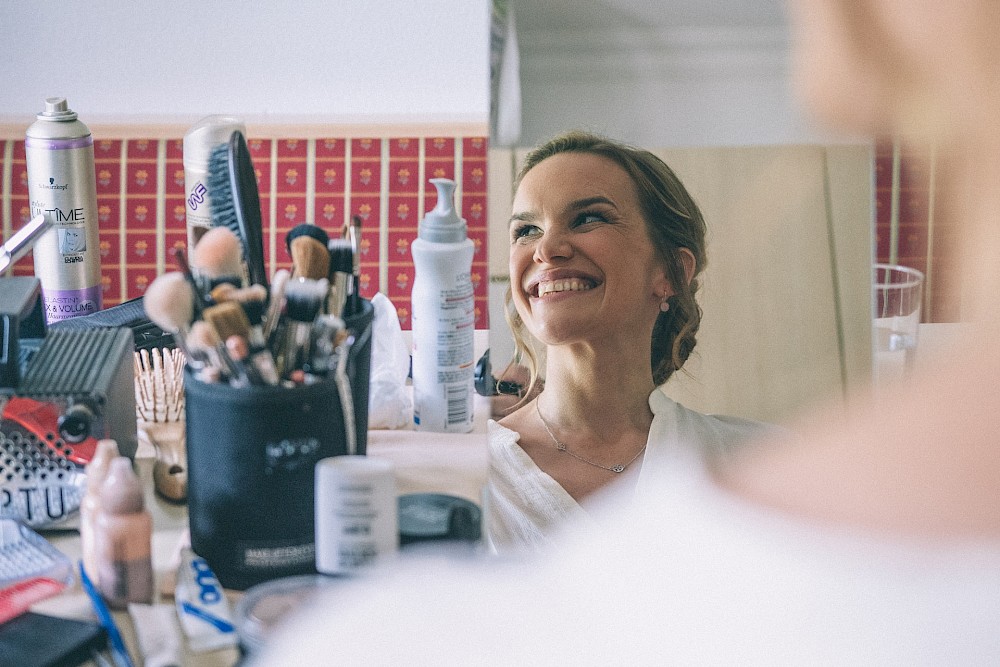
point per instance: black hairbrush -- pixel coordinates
(232, 184)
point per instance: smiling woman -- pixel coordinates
(639, 211)
(605, 249)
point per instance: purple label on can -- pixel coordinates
(58, 144)
(64, 304)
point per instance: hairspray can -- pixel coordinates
(59, 154)
(199, 141)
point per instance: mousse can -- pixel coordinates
(199, 142)
(59, 155)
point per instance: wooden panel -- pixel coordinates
(852, 217)
(501, 192)
(769, 337)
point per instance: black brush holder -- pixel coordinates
(251, 453)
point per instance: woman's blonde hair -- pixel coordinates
(673, 221)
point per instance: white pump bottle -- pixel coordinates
(443, 312)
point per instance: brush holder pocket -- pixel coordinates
(251, 454)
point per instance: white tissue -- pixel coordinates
(389, 404)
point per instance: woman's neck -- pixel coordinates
(600, 392)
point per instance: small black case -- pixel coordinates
(131, 314)
(38, 640)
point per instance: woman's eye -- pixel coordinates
(589, 218)
(522, 232)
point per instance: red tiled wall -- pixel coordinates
(140, 198)
(921, 244)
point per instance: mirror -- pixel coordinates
(786, 294)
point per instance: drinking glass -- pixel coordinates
(897, 299)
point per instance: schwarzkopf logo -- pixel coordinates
(52, 185)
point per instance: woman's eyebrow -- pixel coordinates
(589, 201)
(524, 216)
(579, 204)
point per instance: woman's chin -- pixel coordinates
(559, 328)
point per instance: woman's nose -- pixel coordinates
(554, 244)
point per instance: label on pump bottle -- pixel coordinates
(443, 355)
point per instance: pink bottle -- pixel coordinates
(90, 506)
(123, 539)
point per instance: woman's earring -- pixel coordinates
(664, 305)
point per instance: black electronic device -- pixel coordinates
(61, 390)
(86, 372)
(487, 385)
(21, 317)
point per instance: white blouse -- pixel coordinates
(524, 503)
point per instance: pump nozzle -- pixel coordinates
(442, 224)
(446, 193)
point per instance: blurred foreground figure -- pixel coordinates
(873, 540)
(924, 460)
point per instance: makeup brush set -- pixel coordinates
(276, 377)
(231, 326)
(245, 334)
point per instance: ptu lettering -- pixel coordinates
(33, 498)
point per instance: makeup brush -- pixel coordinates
(218, 257)
(205, 338)
(346, 395)
(169, 303)
(304, 299)
(236, 201)
(251, 293)
(341, 263)
(254, 309)
(159, 401)
(230, 320)
(306, 244)
(276, 302)
(328, 333)
(180, 259)
(229, 292)
(223, 292)
(353, 306)
(201, 340)
(238, 348)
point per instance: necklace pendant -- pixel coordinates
(618, 468)
(560, 446)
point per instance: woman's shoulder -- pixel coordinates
(750, 428)
(497, 432)
(510, 426)
(716, 432)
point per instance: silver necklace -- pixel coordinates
(561, 446)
